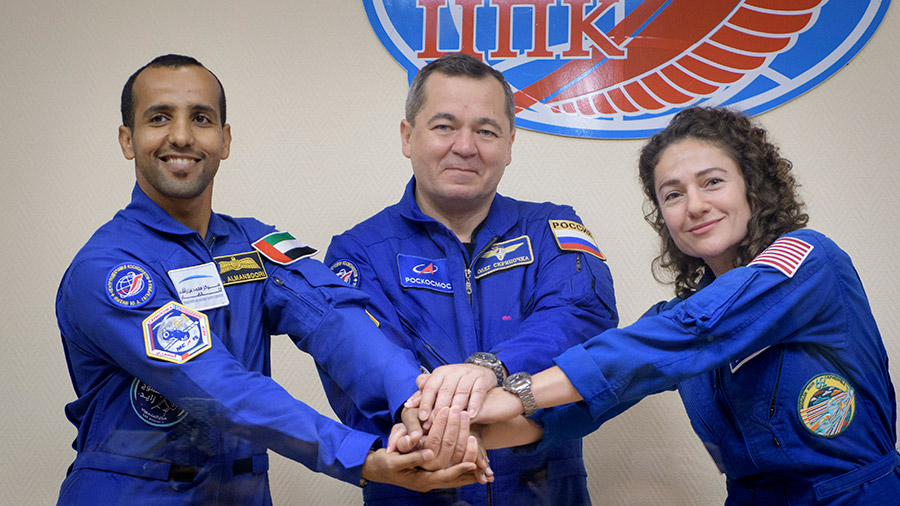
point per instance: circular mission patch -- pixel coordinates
(129, 285)
(347, 271)
(826, 405)
(152, 407)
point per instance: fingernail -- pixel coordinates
(423, 415)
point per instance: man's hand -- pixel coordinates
(461, 386)
(404, 470)
(405, 436)
(449, 440)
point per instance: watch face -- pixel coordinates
(519, 379)
(483, 356)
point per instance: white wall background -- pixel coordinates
(315, 104)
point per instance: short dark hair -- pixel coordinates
(775, 206)
(456, 65)
(168, 60)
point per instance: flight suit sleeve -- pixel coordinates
(738, 314)
(346, 247)
(573, 301)
(245, 403)
(327, 318)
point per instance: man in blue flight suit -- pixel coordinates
(166, 314)
(474, 278)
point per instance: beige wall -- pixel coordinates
(315, 104)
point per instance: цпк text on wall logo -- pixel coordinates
(619, 69)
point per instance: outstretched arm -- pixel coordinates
(551, 387)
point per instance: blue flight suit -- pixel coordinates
(519, 296)
(164, 432)
(782, 372)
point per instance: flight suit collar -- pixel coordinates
(147, 212)
(502, 216)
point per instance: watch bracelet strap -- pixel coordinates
(499, 372)
(528, 402)
(525, 395)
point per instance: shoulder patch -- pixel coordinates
(573, 236)
(826, 405)
(176, 333)
(282, 248)
(785, 254)
(419, 272)
(347, 271)
(504, 255)
(130, 285)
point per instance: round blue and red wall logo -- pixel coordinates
(619, 69)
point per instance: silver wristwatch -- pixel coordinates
(520, 384)
(490, 361)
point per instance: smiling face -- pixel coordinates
(178, 139)
(459, 145)
(703, 199)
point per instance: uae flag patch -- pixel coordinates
(282, 248)
(785, 254)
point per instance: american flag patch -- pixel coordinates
(785, 254)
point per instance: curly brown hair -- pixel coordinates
(775, 207)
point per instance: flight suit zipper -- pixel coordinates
(469, 284)
(468, 271)
(278, 281)
(775, 393)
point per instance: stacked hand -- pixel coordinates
(438, 416)
(447, 457)
(438, 444)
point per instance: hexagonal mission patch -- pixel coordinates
(176, 333)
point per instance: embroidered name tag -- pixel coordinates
(419, 272)
(240, 268)
(573, 236)
(200, 287)
(176, 333)
(504, 255)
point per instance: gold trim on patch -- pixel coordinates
(826, 405)
(507, 254)
(241, 268)
(176, 338)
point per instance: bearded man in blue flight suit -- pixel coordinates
(474, 278)
(166, 314)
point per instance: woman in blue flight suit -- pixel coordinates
(770, 341)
